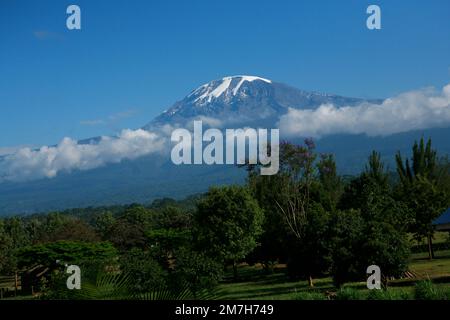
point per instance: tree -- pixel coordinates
(347, 234)
(128, 231)
(125, 235)
(428, 202)
(71, 252)
(310, 256)
(7, 257)
(227, 223)
(371, 230)
(145, 271)
(72, 229)
(301, 209)
(297, 162)
(374, 179)
(330, 188)
(15, 228)
(103, 224)
(420, 189)
(196, 270)
(273, 241)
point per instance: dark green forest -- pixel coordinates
(307, 217)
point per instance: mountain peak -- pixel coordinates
(244, 99)
(228, 86)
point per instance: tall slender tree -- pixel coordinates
(420, 189)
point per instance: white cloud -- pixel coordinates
(68, 155)
(111, 119)
(9, 150)
(413, 110)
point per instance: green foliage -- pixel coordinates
(347, 237)
(388, 295)
(171, 229)
(200, 272)
(349, 293)
(372, 231)
(330, 187)
(144, 270)
(228, 222)
(273, 241)
(310, 193)
(423, 188)
(7, 257)
(424, 161)
(104, 223)
(97, 284)
(306, 215)
(426, 290)
(125, 235)
(311, 256)
(70, 252)
(428, 202)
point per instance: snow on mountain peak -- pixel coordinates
(228, 85)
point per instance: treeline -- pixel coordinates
(306, 216)
(320, 224)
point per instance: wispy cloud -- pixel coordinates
(111, 119)
(420, 109)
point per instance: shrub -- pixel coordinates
(197, 271)
(144, 270)
(348, 294)
(387, 295)
(426, 290)
(379, 295)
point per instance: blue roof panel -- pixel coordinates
(444, 218)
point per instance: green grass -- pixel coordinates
(439, 237)
(436, 268)
(254, 284)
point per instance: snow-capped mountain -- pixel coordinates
(237, 100)
(244, 100)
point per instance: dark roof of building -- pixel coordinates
(443, 219)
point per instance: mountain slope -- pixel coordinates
(228, 102)
(244, 99)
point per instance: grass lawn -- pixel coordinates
(438, 267)
(254, 284)
(439, 237)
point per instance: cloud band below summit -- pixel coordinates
(414, 110)
(68, 155)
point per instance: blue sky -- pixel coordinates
(133, 59)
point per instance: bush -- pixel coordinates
(388, 295)
(426, 290)
(145, 271)
(348, 294)
(197, 271)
